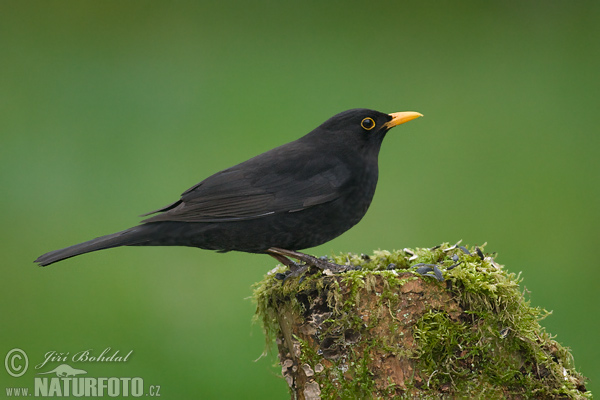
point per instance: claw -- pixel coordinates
(283, 256)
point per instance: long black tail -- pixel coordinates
(129, 237)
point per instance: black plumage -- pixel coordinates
(295, 196)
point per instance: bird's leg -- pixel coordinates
(294, 269)
(293, 266)
(281, 254)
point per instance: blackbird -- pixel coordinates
(295, 196)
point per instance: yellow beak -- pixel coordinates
(401, 117)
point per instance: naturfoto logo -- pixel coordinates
(63, 380)
(64, 371)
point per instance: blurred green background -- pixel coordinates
(111, 109)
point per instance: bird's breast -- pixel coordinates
(359, 192)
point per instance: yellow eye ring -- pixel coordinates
(367, 124)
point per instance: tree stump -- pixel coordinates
(444, 322)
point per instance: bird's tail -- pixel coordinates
(129, 237)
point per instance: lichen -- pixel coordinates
(381, 330)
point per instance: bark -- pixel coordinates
(381, 330)
(372, 354)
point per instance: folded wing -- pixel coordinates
(254, 189)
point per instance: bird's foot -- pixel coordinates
(299, 271)
(283, 256)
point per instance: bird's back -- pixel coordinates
(288, 197)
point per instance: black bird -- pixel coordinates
(295, 196)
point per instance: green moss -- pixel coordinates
(491, 345)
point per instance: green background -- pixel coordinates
(111, 109)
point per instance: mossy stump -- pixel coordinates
(383, 330)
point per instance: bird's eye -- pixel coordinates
(367, 123)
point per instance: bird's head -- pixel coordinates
(360, 127)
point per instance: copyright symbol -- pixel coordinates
(14, 362)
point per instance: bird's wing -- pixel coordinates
(254, 189)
